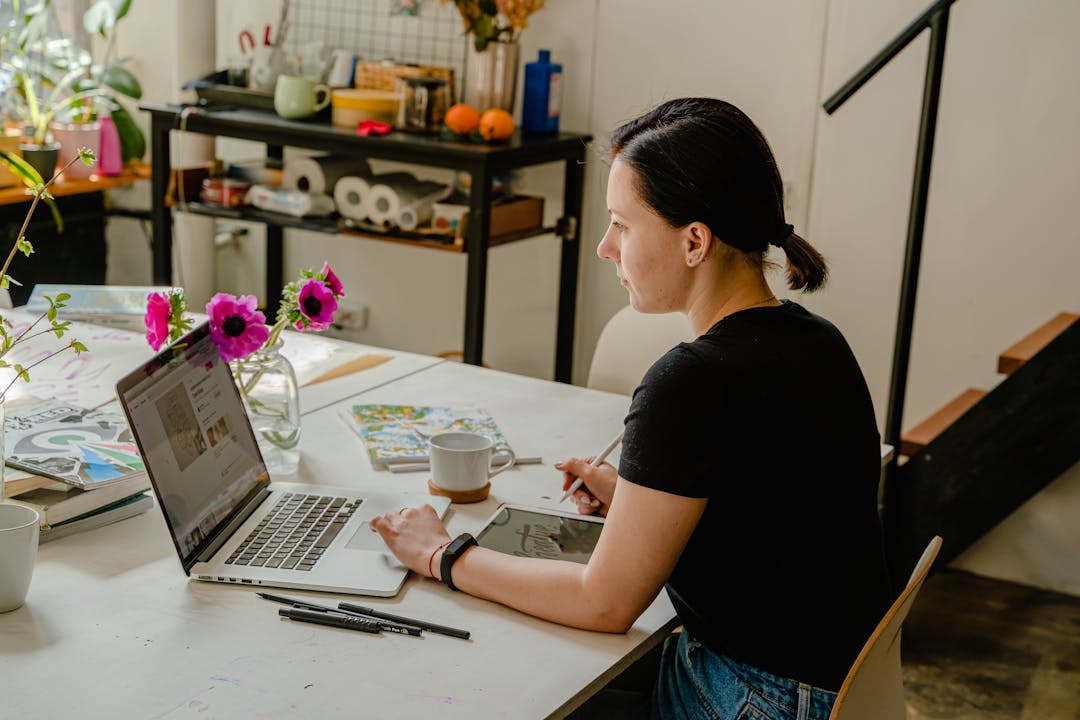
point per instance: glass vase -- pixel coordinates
(267, 384)
(491, 76)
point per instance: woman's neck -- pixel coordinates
(719, 298)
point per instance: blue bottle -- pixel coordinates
(543, 96)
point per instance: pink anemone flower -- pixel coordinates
(158, 310)
(317, 305)
(332, 281)
(236, 325)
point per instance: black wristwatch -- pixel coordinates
(453, 551)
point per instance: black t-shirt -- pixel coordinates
(768, 416)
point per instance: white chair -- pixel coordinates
(874, 687)
(629, 343)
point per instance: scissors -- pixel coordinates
(247, 40)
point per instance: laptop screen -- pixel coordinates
(195, 439)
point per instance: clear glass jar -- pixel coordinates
(267, 384)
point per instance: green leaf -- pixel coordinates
(132, 140)
(87, 156)
(99, 17)
(78, 347)
(62, 297)
(121, 80)
(51, 314)
(21, 169)
(24, 246)
(5, 281)
(57, 217)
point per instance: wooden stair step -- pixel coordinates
(919, 436)
(1022, 351)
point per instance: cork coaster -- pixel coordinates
(460, 496)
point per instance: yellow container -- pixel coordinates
(354, 105)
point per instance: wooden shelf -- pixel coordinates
(1022, 351)
(335, 226)
(919, 436)
(96, 183)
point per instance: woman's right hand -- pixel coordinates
(597, 484)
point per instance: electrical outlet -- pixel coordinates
(354, 317)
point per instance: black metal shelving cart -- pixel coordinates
(483, 162)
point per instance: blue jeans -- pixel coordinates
(697, 684)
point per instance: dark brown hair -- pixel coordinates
(703, 160)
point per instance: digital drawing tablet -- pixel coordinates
(541, 533)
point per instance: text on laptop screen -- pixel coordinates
(196, 441)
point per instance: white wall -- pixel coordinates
(1001, 245)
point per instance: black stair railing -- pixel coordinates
(936, 19)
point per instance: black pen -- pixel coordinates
(349, 622)
(384, 624)
(371, 612)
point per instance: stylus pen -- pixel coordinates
(441, 629)
(387, 625)
(349, 622)
(595, 463)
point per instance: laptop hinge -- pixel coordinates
(227, 532)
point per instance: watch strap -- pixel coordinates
(453, 551)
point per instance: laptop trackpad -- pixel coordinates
(366, 539)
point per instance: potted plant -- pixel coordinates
(491, 68)
(55, 86)
(110, 77)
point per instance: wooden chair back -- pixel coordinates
(874, 687)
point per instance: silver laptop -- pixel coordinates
(229, 521)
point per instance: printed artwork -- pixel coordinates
(400, 433)
(85, 448)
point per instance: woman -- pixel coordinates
(747, 480)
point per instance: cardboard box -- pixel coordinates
(516, 214)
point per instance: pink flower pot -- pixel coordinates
(73, 136)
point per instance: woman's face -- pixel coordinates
(649, 254)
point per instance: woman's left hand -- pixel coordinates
(412, 534)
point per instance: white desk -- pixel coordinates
(112, 620)
(89, 379)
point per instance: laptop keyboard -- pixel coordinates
(295, 534)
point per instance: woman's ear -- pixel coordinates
(698, 240)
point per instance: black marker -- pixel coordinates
(349, 622)
(371, 612)
(384, 624)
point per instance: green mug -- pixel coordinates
(297, 97)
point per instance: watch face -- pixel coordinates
(458, 545)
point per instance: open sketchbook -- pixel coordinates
(396, 436)
(84, 448)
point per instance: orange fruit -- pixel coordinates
(461, 118)
(496, 124)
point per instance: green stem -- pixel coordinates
(30, 213)
(31, 367)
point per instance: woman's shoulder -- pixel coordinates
(682, 365)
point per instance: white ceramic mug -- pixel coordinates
(19, 530)
(298, 96)
(461, 461)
